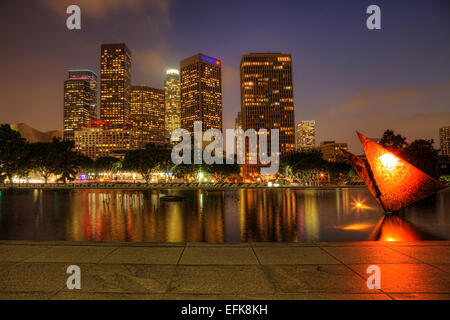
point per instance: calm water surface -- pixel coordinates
(286, 215)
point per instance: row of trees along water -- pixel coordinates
(58, 158)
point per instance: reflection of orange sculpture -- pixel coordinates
(394, 182)
(393, 228)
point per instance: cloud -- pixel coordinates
(103, 8)
(151, 64)
(416, 113)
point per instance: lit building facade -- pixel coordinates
(101, 139)
(115, 83)
(172, 91)
(80, 100)
(267, 100)
(306, 135)
(201, 92)
(331, 151)
(238, 121)
(147, 115)
(444, 137)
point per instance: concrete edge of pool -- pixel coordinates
(258, 270)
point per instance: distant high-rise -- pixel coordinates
(101, 139)
(147, 115)
(115, 83)
(444, 137)
(80, 100)
(306, 135)
(172, 91)
(332, 151)
(267, 100)
(238, 121)
(201, 92)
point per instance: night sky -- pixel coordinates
(346, 77)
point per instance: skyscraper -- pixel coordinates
(80, 100)
(444, 137)
(201, 92)
(172, 100)
(267, 100)
(147, 115)
(115, 82)
(306, 135)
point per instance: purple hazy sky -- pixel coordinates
(346, 77)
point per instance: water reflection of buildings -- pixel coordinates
(267, 215)
(214, 216)
(142, 217)
(308, 213)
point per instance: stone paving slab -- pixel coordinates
(369, 255)
(124, 278)
(78, 254)
(435, 254)
(218, 255)
(28, 277)
(291, 271)
(334, 296)
(293, 255)
(442, 266)
(144, 255)
(409, 278)
(421, 296)
(316, 278)
(17, 253)
(221, 280)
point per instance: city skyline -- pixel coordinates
(342, 76)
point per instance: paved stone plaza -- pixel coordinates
(326, 270)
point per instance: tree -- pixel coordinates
(339, 171)
(149, 160)
(42, 158)
(303, 167)
(67, 161)
(109, 164)
(393, 142)
(422, 155)
(184, 171)
(14, 153)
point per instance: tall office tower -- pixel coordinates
(306, 135)
(267, 100)
(115, 83)
(444, 137)
(201, 92)
(147, 115)
(80, 100)
(173, 100)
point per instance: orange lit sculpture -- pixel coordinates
(394, 182)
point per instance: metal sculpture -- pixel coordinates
(394, 182)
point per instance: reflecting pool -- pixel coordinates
(284, 215)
